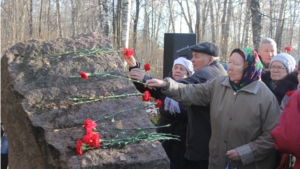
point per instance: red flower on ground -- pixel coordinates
(146, 67)
(146, 96)
(128, 52)
(158, 103)
(84, 75)
(79, 147)
(89, 124)
(92, 139)
(289, 93)
(288, 48)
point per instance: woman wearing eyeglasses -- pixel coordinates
(241, 116)
(281, 77)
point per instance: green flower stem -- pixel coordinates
(120, 112)
(89, 100)
(129, 79)
(145, 128)
(141, 136)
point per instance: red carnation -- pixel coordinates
(79, 147)
(89, 124)
(92, 139)
(84, 75)
(289, 93)
(147, 67)
(128, 52)
(158, 103)
(288, 48)
(146, 96)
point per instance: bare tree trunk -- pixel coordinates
(204, 19)
(256, 22)
(74, 18)
(106, 24)
(48, 18)
(40, 18)
(186, 18)
(225, 28)
(198, 19)
(271, 17)
(119, 25)
(135, 23)
(295, 15)
(212, 20)
(146, 34)
(279, 27)
(245, 41)
(58, 19)
(30, 19)
(126, 22)
(171, 10)
(23, 21)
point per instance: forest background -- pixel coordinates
(228, 23)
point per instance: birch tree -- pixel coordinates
(126, 22)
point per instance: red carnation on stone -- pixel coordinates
(84, 75)
(146, 96)
(289, 93)
(146, 67)
(128, 52)
(89, 124)
(92, 139)
(79, 147)
(158, 103)
(288, 48)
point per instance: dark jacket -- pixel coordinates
(290, 82)
(199, 129)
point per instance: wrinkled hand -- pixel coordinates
(137, 74)
(152, 83)
(233, 155)
(130, 61)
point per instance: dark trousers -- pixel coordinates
(175, 149)
(201, 164)
(4, 161)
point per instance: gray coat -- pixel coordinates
(239, 120)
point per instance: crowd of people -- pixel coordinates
(229, 119)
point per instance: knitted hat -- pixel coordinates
(288, 61)
(207, 48)
(186, 63)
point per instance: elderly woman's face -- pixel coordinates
(278, 71)
(179, 72)
(235, 67)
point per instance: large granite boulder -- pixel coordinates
(43, 126)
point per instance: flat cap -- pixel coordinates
(207, 48)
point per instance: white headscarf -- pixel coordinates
(186, 63)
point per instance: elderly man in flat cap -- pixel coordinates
(206, 66)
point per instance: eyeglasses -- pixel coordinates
(277, 68)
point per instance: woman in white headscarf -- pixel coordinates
(171, 112)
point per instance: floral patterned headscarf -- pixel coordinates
(252, 68)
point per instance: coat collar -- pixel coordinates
(250, 88)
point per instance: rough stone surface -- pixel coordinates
(43, 126)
